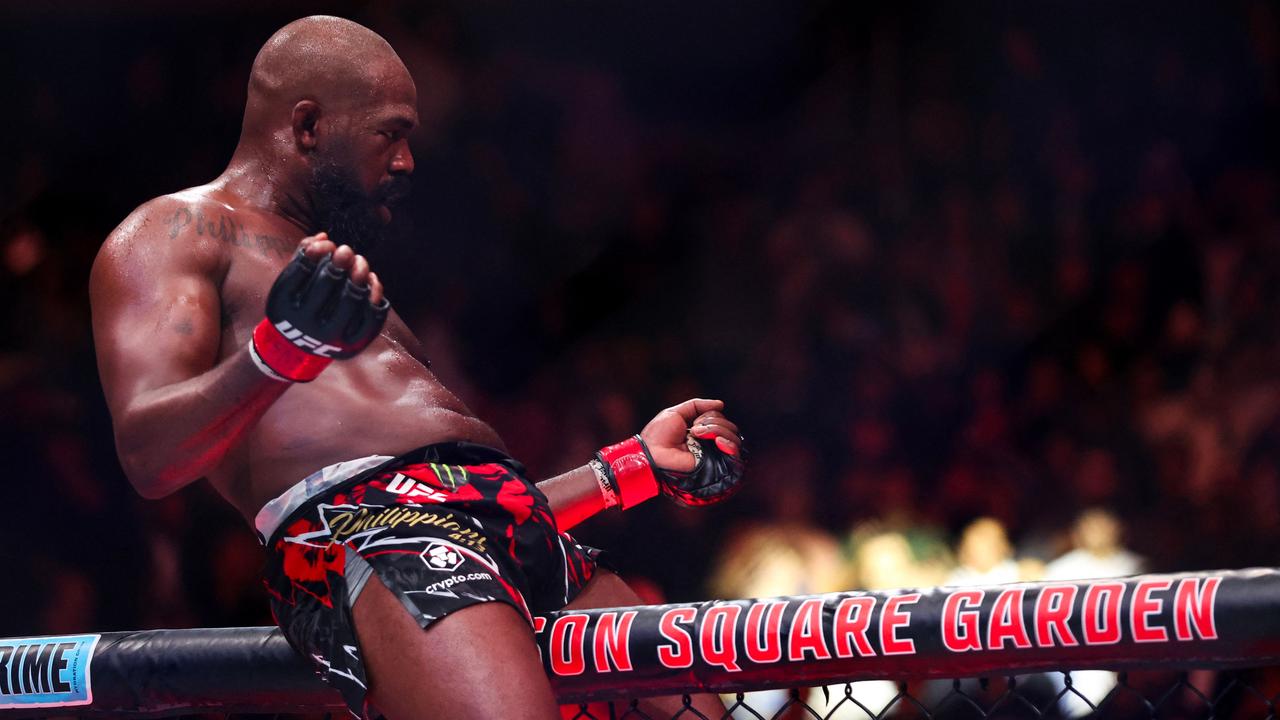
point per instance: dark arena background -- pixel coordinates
(993, 290)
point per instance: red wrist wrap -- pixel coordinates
(632, 471)
(281, 355)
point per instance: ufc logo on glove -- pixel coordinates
(305, 341)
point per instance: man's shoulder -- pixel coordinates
(162, 229)
(167, 216)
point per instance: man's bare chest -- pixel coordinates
(255, 248)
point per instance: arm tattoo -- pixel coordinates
(224, 229)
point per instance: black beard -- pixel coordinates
(345, 211)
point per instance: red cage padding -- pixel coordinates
(1202, 620)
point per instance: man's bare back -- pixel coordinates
(382, 402)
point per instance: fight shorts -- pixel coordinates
(444, 527)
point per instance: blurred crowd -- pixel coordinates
(992, 293)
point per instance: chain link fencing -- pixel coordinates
(1187, 645)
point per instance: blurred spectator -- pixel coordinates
(765, 561)
(984, 556)
(1096, 552)
(770, 561)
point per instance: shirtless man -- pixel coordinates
(374, 489)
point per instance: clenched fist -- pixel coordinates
(325, 305)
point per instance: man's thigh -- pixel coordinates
(606, 589)
(478, 662)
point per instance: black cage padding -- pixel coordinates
(1188, 620)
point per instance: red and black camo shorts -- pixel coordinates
(444, 527)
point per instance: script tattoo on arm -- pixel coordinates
(225, 229)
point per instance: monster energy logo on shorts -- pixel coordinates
(46, 671)
(447, 477)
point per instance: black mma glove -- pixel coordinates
(717, 475)
(628, 476)
(315, 315)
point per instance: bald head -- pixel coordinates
(326, 126)
(339, 64)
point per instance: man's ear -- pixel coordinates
(306, 115)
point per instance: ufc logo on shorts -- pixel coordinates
(407, 486)
(304, 341)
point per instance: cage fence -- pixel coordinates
(1189, 645)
